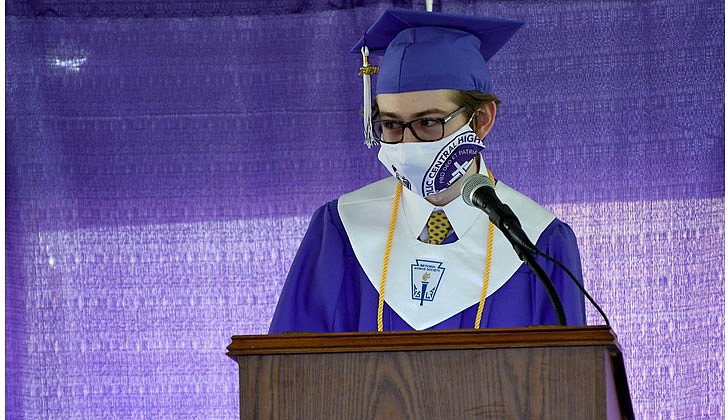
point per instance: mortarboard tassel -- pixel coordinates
(365, 71)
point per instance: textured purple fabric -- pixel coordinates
(163, 160)
(327, 290)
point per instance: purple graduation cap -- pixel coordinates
(428, 50)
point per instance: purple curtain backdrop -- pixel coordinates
(163, 160)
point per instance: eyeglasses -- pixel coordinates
(424, 129)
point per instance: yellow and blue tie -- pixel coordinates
(437, 227)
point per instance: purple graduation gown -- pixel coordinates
(327, 290)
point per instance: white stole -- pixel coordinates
(427, 284)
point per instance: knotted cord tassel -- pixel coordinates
(366, 71)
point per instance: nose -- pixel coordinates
(409, 136)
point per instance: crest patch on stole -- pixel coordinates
(425, 276)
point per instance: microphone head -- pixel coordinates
(472, 183)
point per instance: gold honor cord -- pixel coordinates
(385, 263)
(488, 259)
(388, 249)
(486, 277)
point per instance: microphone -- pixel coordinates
(478, 191)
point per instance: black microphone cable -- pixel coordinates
(502, 212)
(577, 283)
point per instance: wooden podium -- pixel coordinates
(524, 373)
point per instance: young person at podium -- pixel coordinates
(407, 252)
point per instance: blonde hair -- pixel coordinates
(473, 100)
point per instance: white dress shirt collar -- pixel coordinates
(417, 211)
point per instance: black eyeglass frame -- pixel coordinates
(443, 120)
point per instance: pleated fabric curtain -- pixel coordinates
(162, 160)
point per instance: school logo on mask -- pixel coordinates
(451, 163)
(425, 277)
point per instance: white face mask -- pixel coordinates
(428, 168)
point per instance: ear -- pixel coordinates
(484, 119)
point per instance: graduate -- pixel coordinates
(406, 252)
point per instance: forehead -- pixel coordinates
(406, 104)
